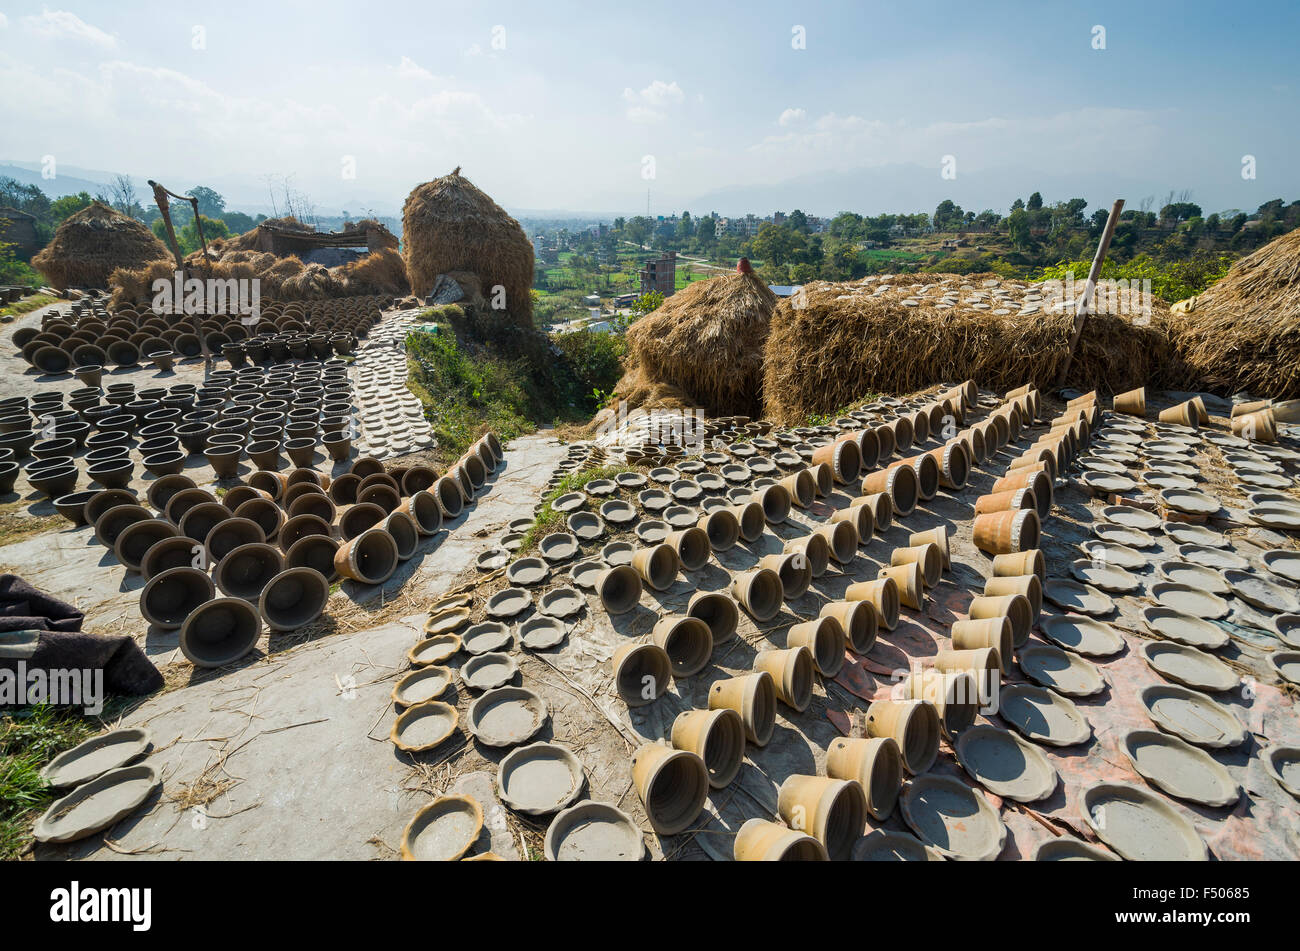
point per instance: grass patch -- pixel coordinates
(828, 418)
(18, 525)
(30, 738)
(548, 520)
(25, 306)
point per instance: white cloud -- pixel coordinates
(651, 104)
(791, 116)
(4, 21)
(474, 50)
(61, 24)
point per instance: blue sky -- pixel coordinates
(558, 105)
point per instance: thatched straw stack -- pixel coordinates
(450, 225)
(705, 342)
(1243, 333)
(380, 272)
(94, 242)
(838, 343)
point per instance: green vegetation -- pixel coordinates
(828, 418)
(25, 306)
(595, 362)
(188, 236)
(1171, 281)
(548, 520)
(30, 738)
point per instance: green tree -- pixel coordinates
(1018, 229)
(211, 204)
(61, 208)
(1035, 202)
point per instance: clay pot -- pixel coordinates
(927, 474)
(166, 463)
(338, 445)
(874, 764)
(302, 450)
(359, 518)
(402, 527)
(223, 458)
(687, 641)
(858, 623)
(313, 551)
(343, 491)
(1242, 409)
(832, 811)
(673, 785)
(927, 555)
(73, 505)
(167, 599)
(9, 472)
(824, 638)
(114, 474)
(913, 725)
(882, 509)
(753, 698)
(1260, 426)
(1030, 586)
(841, 538)
(1037, 478)
(370, 558)
(90, 375)
(619, 589)
(642, 673)
(265, 455)
(792, 674)
(1001, 533)
(862, 520)
(898, 483)
(868, 448)
(952, 463)
(268, 516)
(776, 501)
(759, 840)
(800, 487)
(911, 583)
(750, 520)
(794, 571)
(104, 499)
(715, 736)
(293, 598)
(691, 546)
(984, 664)
(721, 528)
(423, 509)
(935, 536)
(1132, 403)
(719, 611)
(272, 483)
(246, 570)
(418, 479)
(228, 535)
(199, 520)
(955, 696)
(823, 478)
(55, 481)
(220, 632)
(843, 457)
(984, 632)
(657, 565)
(136, 538)
(1020, 563)
(449, 497)
(114, 520)
(883, 595)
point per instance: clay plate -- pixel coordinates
(1104, 576)
(652, 532)
(569, 502)
(1189, 600)
(1212, 557)
(1004, 764)
(1131, 517)
(1184, 628)
(539, 633)
(1188, 666)
(540, 778)
(1064, 671)
(1112, 553)
(562, 602)
(1106, 483)
(506, 716)
(1122, 535)
(433, 650)
(1042, 716)
(1072, 596)
(422, 726)
(97, 804)
(492, 559)
(664, 475)
(1185, 533)
(953, 818)
(686, 490)
(1284, 564)
(560, 546)
(488, 671)
(882, 845)
(1192, 716)
(1283, 764)
(1287, 628)
(600, 487)
(443, 830)
(485, 637)
(585, 573)
(508, 602)
(630, 480)
(1194, 576)
(1179, 769)
(617, 553)
(96, 756)
(1286, 664)
(593, 832)
(654, 500)
(1140, 825)
(1069, 849)
(585, 526)
(1262, 593)
(421, 685)
(1084, 635)
(618, 512)
(528, 571)
(679, 516)
(445, 620)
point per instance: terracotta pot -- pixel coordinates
(167, 599)
(832, 811)
(824, 639)
(868, 448)
(228, 535)
(899, 483)
(719, 611)
(657, 565)
(927, 475)
(715, 736)
(1000, 533)
(423, 509)
(823, 478)
(753, 698)
(926, 555)
(794, 569)
(450, 499)
(955, 696)
(911, 583)
(1132, 403)
(687, 641)
(935, 536)
(137, 537)
(862, 520)
(760, 592)
(984, 632)
(750, 520)
(403, 530)
(721, 528)
(1029, 585)
(220, 631)
(857, 620)
(801, 488)
(619, 589)
(1242, 409)
(882, 509)
(984, 664)
(953, 464)
(913, 725)
(313, 551)
(370, 558)
(1007, 501)
(359, 518)
(269, 516)
(1257, 427)
(901, 429)
(843, 457)
(759, 840)
(887, 442)
(792, 674)
(1014, 608)
(113, 520)
(293, 598)
(776, 500)
(642, 672)
(841, 539)
(1035, 477)
(1031, 457)
(882, 595)
(1021, 563)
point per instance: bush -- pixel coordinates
(594, 362)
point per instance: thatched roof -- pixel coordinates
(838, 343)
(448, 224)
(706, 341)
(92, 243)
(1243, 333)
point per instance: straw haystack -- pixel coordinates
(94, 242)
(1243, 333)
(380, 272)
(837, 343)
(450, 225)
(706, 342)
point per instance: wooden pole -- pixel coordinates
(160, 198)
(1085, 301)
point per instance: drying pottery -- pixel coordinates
(1042, 716)
(562, 602)
(912, 724)
(421, 685)
(1123, 535)
(1189, 600)
(1004, 764)
(719, 611)
(97, 804)
(1192, 716)
(954, 819)
(1283, 764)
(1262, 593)
(885, 846)
(656, 565)
(875, 764)
(434, 650)
(488, 671)
(759, 591)
(505, 716)
(1286, 664)
(1184, 628)
(1072, 596)
(1284, 564)
(759, 840)
(593, 832)
(539, 779)
(792, 674)
(442, 831)
(540, 633)
(1194, 576)
(528, 571)
(486, 637)
(1063, 671)
(642, 672)
(753, 696)
(1210, 557)
(1083, 635)
(1104, 576)
(717, 736)
(832, 811)
(1113, 554)
(423, 726)
(557, 547)
(1178, 768)
(95, 757)
(1140, 825)
(508, 602)
(1188, 666)
(1189, 501)
(1130, 517)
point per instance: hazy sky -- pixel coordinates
(557, 105)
